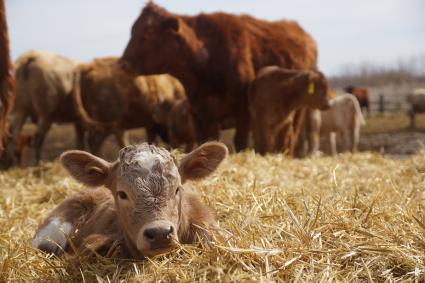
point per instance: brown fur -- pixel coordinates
(7, 83)
(274, 97)
(111, 101)
(44, 82)
(154, 193)
(215, 56)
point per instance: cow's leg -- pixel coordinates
(17, 122)
(43, 126)
(355, 136)
(412, 119)
(96, 139)
(242, 128)
(121, 138)
(151, 133)
(332, 142)
(79, 136)
(297, 147)
(52, 235)
(282, 140)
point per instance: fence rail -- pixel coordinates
(388, 104)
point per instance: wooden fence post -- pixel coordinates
(381, 104)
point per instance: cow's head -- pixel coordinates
(147, 185)
(315, 89)
(162, 43)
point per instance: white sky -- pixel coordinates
(347, 31)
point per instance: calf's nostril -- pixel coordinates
(149, 234)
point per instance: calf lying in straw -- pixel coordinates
(140, 203)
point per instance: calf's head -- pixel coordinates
(315, 89)
(147, 185)
(156, 37)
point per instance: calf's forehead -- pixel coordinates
(147, 169)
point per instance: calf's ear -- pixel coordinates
(202, 161)
(86, 168)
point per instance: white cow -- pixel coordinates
(417, 104)
(343, 120)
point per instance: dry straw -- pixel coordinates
(350, 218)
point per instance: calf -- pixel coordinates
(177, 118)
(274, 97)
(343, 118)
(141, 202)
(109, 101)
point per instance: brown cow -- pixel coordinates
(141, 203)
(177, 118)
(362, 95)
(109, 101)
(7, 84)
(274, 97)
(215, 56)
(44, 83)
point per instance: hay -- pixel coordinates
(354, 217)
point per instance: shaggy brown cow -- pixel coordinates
(109, 101)
(7, 84)
(215, 56)
(177, 118)
(44, 83)
(362, 95)
(142, 204)
(274, 97)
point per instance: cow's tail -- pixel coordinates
(359, 112)
(23, 68)
(79, 105)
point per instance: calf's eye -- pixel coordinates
(177, 190)
(122, 195)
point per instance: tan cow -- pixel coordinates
(140, 202)
(109, 101)
(44, 83)
(342, 120)
(274, 97)
(177, 118)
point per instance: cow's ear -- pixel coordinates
(170, 23)
(86, 168)
(202, 161)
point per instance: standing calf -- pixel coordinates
(343, 119)
(140, 203)
(274, 97)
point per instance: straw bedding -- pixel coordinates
(351, 218)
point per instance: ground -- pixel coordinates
(354, 217)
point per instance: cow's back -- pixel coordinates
(44, 82)
(340, 114)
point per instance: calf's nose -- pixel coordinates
(159, 235)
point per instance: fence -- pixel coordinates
(389, 104)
